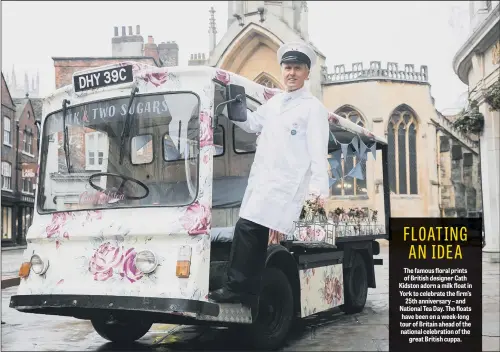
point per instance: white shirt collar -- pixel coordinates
(294, 94)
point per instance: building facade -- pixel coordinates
(19, 165)
(433, 169)
(477, 64)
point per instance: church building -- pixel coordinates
(433, 168)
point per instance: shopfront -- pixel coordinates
(16, 217)
(7, 224)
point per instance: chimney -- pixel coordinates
(130, 30)
(150, 39)
(116, 31)
(138, 29)
(124, 33)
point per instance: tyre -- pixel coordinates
(121, 331)
(276, 312)
(355, 286)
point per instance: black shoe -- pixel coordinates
(223, 295)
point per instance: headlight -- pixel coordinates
(146, 261)
(37, 265)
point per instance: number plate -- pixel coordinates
(105, 78)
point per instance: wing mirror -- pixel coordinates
(236, 104)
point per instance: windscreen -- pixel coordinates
(99, 156)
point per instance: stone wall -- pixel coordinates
(459, 178)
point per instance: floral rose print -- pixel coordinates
(206, 131)
(332, 118)
(332, 290)
(275, 237)
(94, 215)
(110, 259)
(312, 234)
(197, 218)
(269, 93)
(368, 134)
(106, 258)
(136, 67)
(308, 274)
(222, 76)
(155, 78)
(337, 289)
(130, 271)
(54, 229)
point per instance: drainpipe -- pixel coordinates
(16, 188)
(438, 166)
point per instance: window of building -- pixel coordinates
(27, 185)
(96, 150)
(267, 81)
(402, 151)
(28, 142)
(6, 175)
(350, 186)
(141, 149)
(6, 131)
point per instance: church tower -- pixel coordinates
(255, 30)
(293, 13)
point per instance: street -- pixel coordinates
(333, 331)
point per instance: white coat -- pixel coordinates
(291, 160)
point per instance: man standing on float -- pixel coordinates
(290, 165)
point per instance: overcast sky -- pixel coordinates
(406, 32)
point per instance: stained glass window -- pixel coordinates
(350, 186)
(267, 81)
(402, 138)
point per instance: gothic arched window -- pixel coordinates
(265, 80)
(402, 139)
(350, 186)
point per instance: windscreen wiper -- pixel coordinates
(65, 135)
(126, 125)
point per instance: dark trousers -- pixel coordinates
(248, 257)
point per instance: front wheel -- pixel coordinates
(355, 286)
(122, 330)
(276, 312)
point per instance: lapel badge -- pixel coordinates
(294, 132)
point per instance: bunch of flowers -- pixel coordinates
(337, 215)
(314, 206)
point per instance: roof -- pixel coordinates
(8, 91)
(21, 106)
(37, 104)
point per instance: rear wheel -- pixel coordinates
(121, 330)
(276, 312)
(355, 286)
